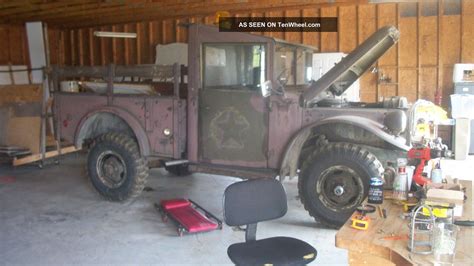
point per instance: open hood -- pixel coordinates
(350, 68)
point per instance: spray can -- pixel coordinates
(376, 190)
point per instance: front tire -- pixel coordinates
(334, 180)
(115, 168)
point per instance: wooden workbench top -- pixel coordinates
(370, 247)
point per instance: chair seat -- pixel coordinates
(274, 250)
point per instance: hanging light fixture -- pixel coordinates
(111, 34)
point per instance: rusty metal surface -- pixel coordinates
(285, 121)
(227, 131)
(199, 34)
(232, 128)
(72, 108)
(161, 118)
(146, 116)
(146, 71)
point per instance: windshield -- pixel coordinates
(293, 64)
(234, 66)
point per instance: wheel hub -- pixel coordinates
(340, 188)
(111, 169)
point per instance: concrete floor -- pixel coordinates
(53, 216)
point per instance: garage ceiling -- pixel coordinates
(81, 13)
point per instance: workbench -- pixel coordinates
(370, 247)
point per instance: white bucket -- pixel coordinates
(69, 86)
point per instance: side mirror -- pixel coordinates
(266, 88)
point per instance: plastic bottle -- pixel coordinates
(400, 184)
(437, 174)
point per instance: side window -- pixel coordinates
(293, 65)
(233, 66)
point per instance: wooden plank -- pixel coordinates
(80, 41)
(389, 88)
(467, 39)
(119, 51)
(126, 46)
(278, 35)
(4, 46)
(37, 157)
(387, 16)
(20, 94)
(447, 85)
(366, 22)
(294, 37)
(139, 40)
(132, 45)
(169, 31)
(152, 10)
(24, 132)
(311, 38)
(329, 40)
(407, 84)
(181, 30)
(14, 38)
(54, 46)
(372, 244)
(154, 36)
(408, 58)
(347, 28)
(428, 80)
(72, 36)
(366, 27)
(428, 35)
(450, 32)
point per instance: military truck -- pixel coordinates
(245, 106)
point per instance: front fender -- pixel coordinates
(290, 159)
(127, 117)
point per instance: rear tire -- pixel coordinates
(334, 180)
(115, 168)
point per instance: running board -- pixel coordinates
(176, 162)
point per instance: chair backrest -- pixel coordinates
(253, 201)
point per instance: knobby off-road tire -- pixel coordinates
(334, 180)
(115, 167)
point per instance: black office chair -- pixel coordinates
(253, 201)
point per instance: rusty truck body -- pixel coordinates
(245, 106)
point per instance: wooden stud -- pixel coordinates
(139, 43)
(81, 47)
(377, 87)
(398, 52)
(126, 46)
(418, 64)
(440, 69)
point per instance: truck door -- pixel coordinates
(233, 118)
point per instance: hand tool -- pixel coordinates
(360, 221)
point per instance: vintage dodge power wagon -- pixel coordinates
(245, 106)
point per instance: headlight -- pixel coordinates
(395, 121)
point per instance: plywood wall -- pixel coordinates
(434, 36)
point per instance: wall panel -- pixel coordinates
(431, 41)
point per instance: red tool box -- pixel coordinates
(188, 216)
